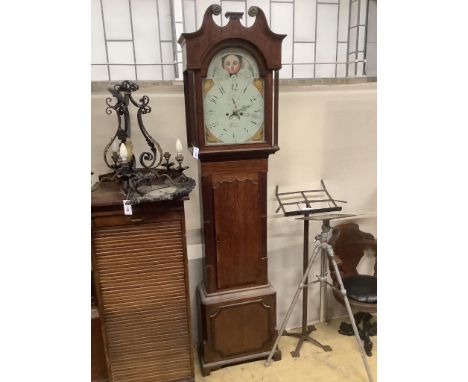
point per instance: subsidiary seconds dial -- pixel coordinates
(234, 112)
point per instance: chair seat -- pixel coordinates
(361, 288)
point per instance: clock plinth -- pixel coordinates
(231, 98)
(236, 326)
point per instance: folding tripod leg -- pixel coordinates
(348, 308)
(293, 303)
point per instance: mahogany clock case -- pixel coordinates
(237, 305)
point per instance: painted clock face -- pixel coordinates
(233, 100)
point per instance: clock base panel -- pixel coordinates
(236, 326)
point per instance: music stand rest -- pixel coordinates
(300, 203)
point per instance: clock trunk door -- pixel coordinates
(238, 224)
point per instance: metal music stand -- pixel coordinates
(323, 246)
(312, 205)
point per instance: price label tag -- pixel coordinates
(195, 152)
(127, 207)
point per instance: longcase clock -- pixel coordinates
(231, 99)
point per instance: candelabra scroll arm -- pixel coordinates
(126, 86)
(120, 133)
(106, 149)
(125, 132)
(155, 148)
(135, 103)
(115, 107)
(120, 109)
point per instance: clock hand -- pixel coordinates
(241, 109)
(251, 115)
(236, 110)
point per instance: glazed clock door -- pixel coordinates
(233, 99)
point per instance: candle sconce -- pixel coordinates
(155, 179)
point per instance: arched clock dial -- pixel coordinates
(234, 111)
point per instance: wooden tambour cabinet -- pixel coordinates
(231, 100)
(140, 271)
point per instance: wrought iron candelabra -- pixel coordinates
(119, 153)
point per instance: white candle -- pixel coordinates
(115, 146)
(123, 152)
(178, 146)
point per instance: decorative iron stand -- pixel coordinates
(137, 182)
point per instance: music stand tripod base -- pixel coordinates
(304, 337)
(321, 279)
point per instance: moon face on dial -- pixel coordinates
(234, 112)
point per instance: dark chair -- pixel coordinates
(349, 244)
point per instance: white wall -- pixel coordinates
(325, 132)
(329, 133)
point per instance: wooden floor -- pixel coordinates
(343, 364)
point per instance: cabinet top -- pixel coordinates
(105, 194)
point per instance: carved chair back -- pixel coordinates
(349, 245)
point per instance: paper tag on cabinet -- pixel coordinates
(127, 207)
(195, 152)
